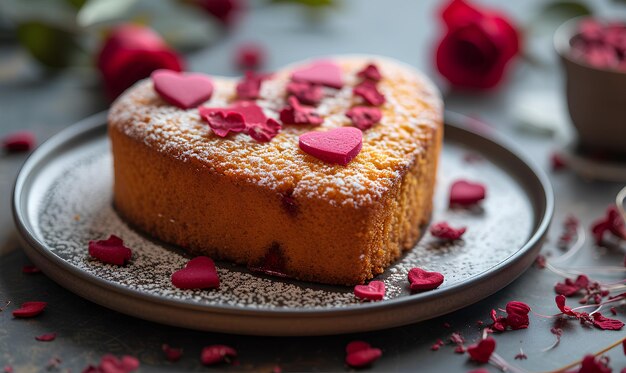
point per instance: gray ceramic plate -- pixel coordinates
(62, 199)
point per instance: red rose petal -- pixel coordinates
(481, 352)
(249, 56)
(326, 73)
(111, 363)
(560, 303)
(424, 280)
(466, 193)
(183, 90)
(48, 337)
(21, 141)
(226, 11)
(557, 161)
(356, 346)
(517, 315)
(499, 322)
(363, 358)
(199, 273)
(295, 113)
(375, 290)
(445, 232)
(30, 269)
(264, 132)
(222, 124)
(370, 72)
(111, 250)
(612, 222)
(364, 117)
(30, 309)
(569, 287)
(306, 93)
(172, 354)
(606, 323)
(215, 354)
(437, 345)
(249, 88)
(252, 113)
(339, 145)
(369, 92)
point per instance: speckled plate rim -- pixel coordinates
(298, 321)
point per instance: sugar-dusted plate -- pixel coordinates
(63, 195)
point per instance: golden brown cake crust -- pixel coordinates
(237, 199)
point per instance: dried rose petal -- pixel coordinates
(30, 309)
(295, 113)
(356, 346)
(424, 280)
(612, 223)
(481, 352)
(364, 357)
(606, 323)
(375, 290)
(249, 88)
(560, 303)
(557, 162)
(199, 273)
(111, 250)
(444, 231)
(570, 287)
(457, 338)
(517, 315)
(460, 349)
(592, 365)
(30, 269)
(369, 92)
(364, 117)
(172, 354)
(370, 72)
(540, 262)
(215, 354)
(48, 337)
(437, 345)
(264, 132)
(466, 193)
(222, 124)
(21, 141)
(499, 322)
(249, 56)
(306, 93)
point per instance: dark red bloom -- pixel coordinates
(466, 193)
(215, 354)
(249, 56)
(592, 365)
(131, 53)
(295, 113)
(306, 93)
(172, 354)
(375, 290)
(423, 280)
(21, 141)
(111, 250)
(612, 223)
(370, 72)
(569, 287)
(30, 269)
(364, 117)
(444, 231)
(369, 92)
(29, 309)
(264, 132)
(606, 323)
(226, 11)
(48, 337)
(111, 364)
(477, 47)
(481, 352)
(249, 88)
(517, 315)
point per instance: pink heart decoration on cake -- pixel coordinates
(375, 290)
(183, 90)
(466, 193)
(339, 145)
(424, 280)
(322, 72)
(199, 273)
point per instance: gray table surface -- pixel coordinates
(405, 30)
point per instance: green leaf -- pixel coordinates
(98, 11)
(51, 46)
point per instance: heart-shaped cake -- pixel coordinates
(258, 173)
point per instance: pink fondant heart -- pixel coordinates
(424, 280)
(183, 90)
(322, 72)
(111, 251)
(340, 145)
(375, 290)
(199, 273)
(465, 193)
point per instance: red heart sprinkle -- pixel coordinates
(368, 91)
(370, 72)
(216, 354)
(110, 363)
(362, 358)
(21, 141)
(249, 88)
(339, 145)
(466, 193)
(222, 123)
(364, 117)
(111, 251)
(306, 93)
(606, 323)
(482, 351)
(445, 232)
(295, 113)
(326, 73)
(199, 273)
(424, 280)
(30, 269)
(249, 56)
(46, 337)
(172, 354)
(356, 346)
(30, 309)
(183, 90)
(264, 132)
(375, 290)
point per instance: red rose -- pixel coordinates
(226, 11)
(131, 53)
(477, 46)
